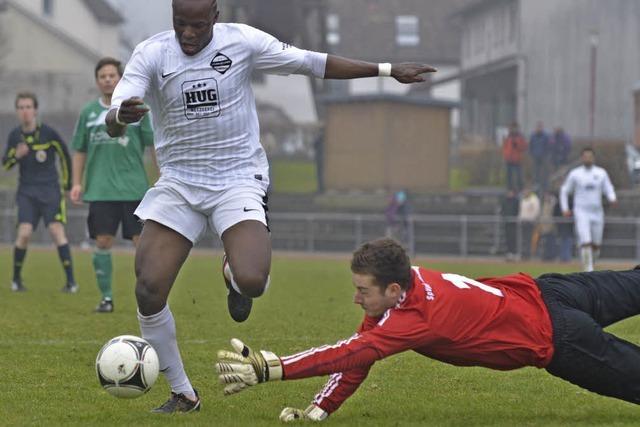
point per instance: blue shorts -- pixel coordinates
(45, 203)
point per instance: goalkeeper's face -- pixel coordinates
(193, 22)
(373, 298)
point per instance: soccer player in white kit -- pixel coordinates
(588, 183)
(214, 172)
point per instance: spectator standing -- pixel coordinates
(560, 147)
(539, 144)
(528, 216)
(547, 228)
(510, 209)
(397, 214)
(513, 149)
(565, 232)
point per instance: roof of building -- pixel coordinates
(82, 48)
(474, 6)
(400, 99)
(104, 12)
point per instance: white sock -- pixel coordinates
(587, 258)
(160, 330)
(229, 275)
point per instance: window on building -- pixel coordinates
(47, 7)
(407, 30)
(333, 29)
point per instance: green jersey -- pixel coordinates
(114, 167)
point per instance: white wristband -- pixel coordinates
(118, 120)
(384, 69)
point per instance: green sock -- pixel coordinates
(103, 268)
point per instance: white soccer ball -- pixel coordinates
(127, 366)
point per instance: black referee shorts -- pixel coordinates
(580, 306)
(47, 204)
(105, 217)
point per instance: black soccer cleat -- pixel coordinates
(70, 288)
(105, 306)
(239, 306)
(178, 403)
(17, 286)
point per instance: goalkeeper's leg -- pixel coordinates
(159, 256)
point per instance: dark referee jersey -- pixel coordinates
(38, 167)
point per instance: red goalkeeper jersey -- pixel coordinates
(499, 323)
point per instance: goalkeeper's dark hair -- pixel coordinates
(108, 61)
(385, 260)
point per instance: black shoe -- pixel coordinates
(70, 288)
(17, 286)
(239, 306)
(178, 403)
(105, 306)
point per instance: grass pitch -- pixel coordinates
(49, 340)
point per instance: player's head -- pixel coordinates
(381, 273)
(540, 126)
(108, 72)
(26, 107)
(588, 157)
(193, 22)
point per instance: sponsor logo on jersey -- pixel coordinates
(200, 98)
(41, 156)
(285, 46)
(221, 63)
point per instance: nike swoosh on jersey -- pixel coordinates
(249, 210)
(164, 76)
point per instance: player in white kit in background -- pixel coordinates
(214, 171)
(588, 183)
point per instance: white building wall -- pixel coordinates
(556, 45)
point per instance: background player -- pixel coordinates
(554, 322)
(34, 148)
(214, 171)
(587, 183)
(113, 173)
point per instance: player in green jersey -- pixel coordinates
(109, 174)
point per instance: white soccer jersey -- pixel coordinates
(204, 113)
(587, 186)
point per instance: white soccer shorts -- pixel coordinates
(589, 227)
(191, 210)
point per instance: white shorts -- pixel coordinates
(589, 227)
(191, 210)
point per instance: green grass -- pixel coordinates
(293, 176)
(49, 340)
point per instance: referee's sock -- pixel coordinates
(18, 260)
(64, 252)
(103, 268)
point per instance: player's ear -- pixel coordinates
(394, 290)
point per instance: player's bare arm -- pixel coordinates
(131, 110)
(79, 160)
(345, 68)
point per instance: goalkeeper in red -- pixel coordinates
(554, 322)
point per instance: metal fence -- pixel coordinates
(447, 235)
